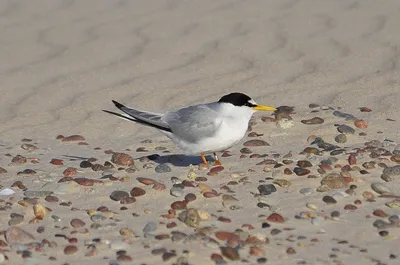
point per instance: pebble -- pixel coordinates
(163, 168)
(276, 218)
(393, 204)
(149, 227)
(137, 192)
(122, 159)
(361, 124)
(190, 217)
(29, 147)
(17, 235)
(2, 170)
(255, 142)
(341, 138)
(16, 219)
(119, 245)
(301, 171)
(266, 189)
(306, 191)
(381, 188)
(341, 114)
(315, 120)
(230, 253)
(73, 138)
(345, 129)
(69, 250)
(329, 200)
(119, 195)
(282, 183)
(77, 223)
(392, 171)
(335, 214)
(6, 192)
(334, 181)
(39, 194)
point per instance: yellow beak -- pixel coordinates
(261, 107)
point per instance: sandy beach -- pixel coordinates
(316, 183)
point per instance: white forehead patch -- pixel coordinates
(252, 102)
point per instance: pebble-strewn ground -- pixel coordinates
(333, 199)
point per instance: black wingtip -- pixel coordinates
(117, 104)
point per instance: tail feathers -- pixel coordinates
(140, 117)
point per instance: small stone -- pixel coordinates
(29, 147)
(334, 181)
(380, 213)
(306, 191)
(341, 138)
(392, 171)
(84, 181)
(2, 170)
(26, 172)
(51, 198)
(230, 253)
(73, 138)
(77, 223)
(315, 120)
(365, 109)
(162, 168)
(57, 162)
(360, 124)
(118, 195)
(393, 204)
(85, 164)
(335, 214)
(71, 249)
(381, 188)
(97, 218)
(122, 159)
(256, 142)
(128, 200)
(39, 193)
(301, 171)
(282, 183)
(126, 232)
(137, 192)
(290, 251)
(14, 235)
(329, 200)
(19, 159)
(190, 217)
(40, 211)
(304, 163)
(350, 207)
(176, 192)
(276, 218)
(146, 181)
(150, 227)
(345, 129)
(16, 219)
(266, 189)
(383, 233)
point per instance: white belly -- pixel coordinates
(228, 134)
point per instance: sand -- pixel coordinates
(61, 63)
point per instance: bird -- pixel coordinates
(203, 128)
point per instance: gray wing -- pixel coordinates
(194, 122)
(143, 117)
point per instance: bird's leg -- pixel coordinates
(217, 162)
(204, 159)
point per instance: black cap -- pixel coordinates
(237, 99)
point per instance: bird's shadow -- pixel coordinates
(178, 160)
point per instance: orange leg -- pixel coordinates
(217, 162)
(204, 159)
